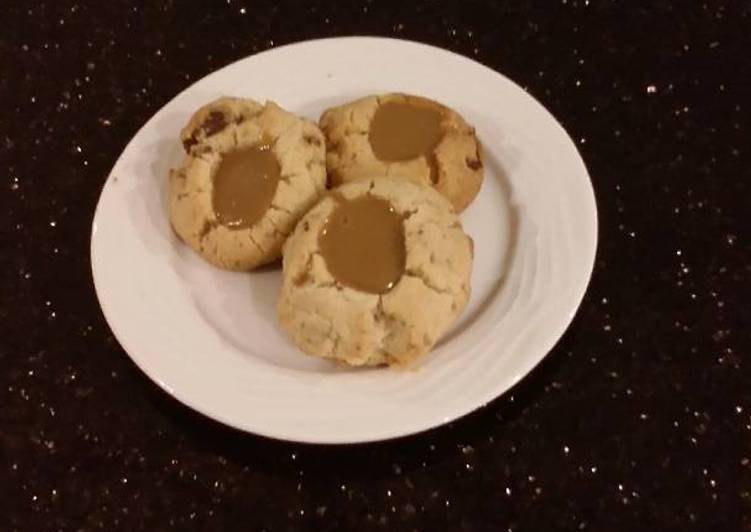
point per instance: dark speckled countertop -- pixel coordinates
(639, 419)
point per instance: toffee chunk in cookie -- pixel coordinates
(375, 273)
(404, 136)
(250, 173)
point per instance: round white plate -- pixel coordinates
(210, 338)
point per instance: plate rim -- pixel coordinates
(426, 424)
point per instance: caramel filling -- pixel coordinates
(362, 243)
(403, 131)
(244, 185)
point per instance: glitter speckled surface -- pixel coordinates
(640, 418)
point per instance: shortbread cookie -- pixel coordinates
(250, 173)
(375, 273)
(404, 136)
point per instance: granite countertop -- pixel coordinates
(640, 417)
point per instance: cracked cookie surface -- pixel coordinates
(453, 165)
(329, 319)
(227, 126)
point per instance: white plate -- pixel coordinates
(210, 338)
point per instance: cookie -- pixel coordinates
(404, 136)
(375, 273)
(251, 171)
